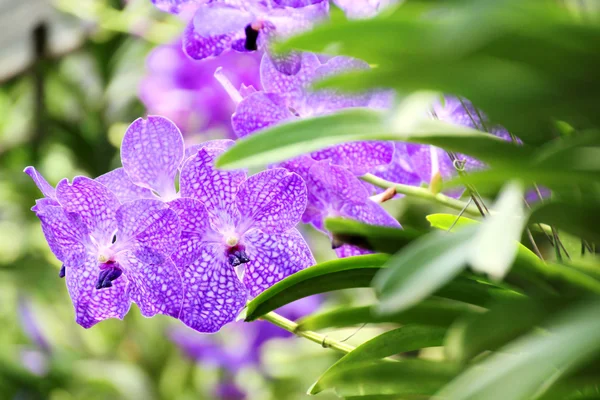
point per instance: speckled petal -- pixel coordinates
(199, 47)
(424, 158)
(272, 200)
(46, 189)
(93, 305)
(292, 87)
(216, 189)
(65, 233)
(274, 257)
(358, 157)
(218, 18)
(118, 182)
(217, 144)
(155, 288)
(175, 6)
(258, 111)
(335, 185)
(151, 153)
(95, 204)
(369, 212)
(291, 20)
(348, 250)
(399, 170)
(214, 295)
(149, 227)
(195, 230)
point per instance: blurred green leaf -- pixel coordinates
(406, 379)
(582, 220)
(376, 238)
(432, 312)
(421, 268)
(401, 340)
(345, 273)
(529, 366)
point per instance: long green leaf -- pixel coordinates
(423, 267)
(345, 273)
(405, 379)
(432, 312)
(406, 338)
(528, 367)
(291, 139)
(376, 238)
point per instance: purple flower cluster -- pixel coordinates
(196, 254)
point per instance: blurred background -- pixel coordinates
(73, 76)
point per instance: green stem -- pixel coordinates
(423, 194)
(292, 327)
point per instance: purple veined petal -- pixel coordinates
(219, 18)
(288, 63)
(297, 3)
(118, 182)
(214, 295)
(400, 170)
(258, 111)
(93, 202)
(289, 21)
(369, 212)
(382, 99)
(217, 144)
(272, 200)
(175, 6)
(199, 47)
(359, 9)
(347, 250)
(334, 186)
(151, 153)
(46, 189)
(292, 87)
(148, 226)
(273, 258)
(93, 305)
(155, 288)
(358, 157)
(65, 233)
(216, 189)
(196, 230)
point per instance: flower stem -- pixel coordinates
(423, 194)
(292, 327)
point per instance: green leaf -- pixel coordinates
(345, 273)
(287, 140)
(405, 379)
(528, 268)
(503, 322)
(372, 237)
(431, 312)
(401, 340)
(527, 367)
(496, 243)
(582, 220)
(421, 268)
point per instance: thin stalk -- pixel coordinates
(292, 327)
(423, 193)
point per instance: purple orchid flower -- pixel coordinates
(288, 97)
(113, 254)
(336, 192)
(185, 91)
(232, 223)
(246, 25)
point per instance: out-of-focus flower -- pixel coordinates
(113, 254)
(357, 9)
(186, 92)
(246, 25)
(231, 224)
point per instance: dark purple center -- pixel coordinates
(107, 276)
(61, 273)
(236, 256)
(251, 38)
